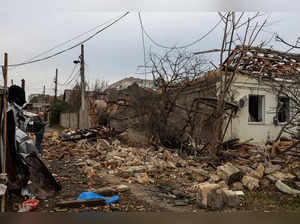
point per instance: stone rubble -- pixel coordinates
(250, 182)
(213, 187)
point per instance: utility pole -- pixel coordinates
(12, 82)
(82, 78)
(44, 90)
(55, 81)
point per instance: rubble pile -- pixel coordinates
(190, 182)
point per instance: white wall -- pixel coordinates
(240, 127)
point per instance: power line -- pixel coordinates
(70, 48)
(75, 76)
(143, 39)
(69, 77)
(70, 40)
(184, 46)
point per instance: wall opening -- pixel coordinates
(283, 112)
(256, 108)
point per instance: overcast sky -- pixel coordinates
(31, 27)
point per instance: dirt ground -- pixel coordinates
(167, 192)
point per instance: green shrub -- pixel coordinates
(56, 108)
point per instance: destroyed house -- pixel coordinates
(262, 109)
(126, 82)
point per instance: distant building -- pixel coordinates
(39, 102)
(69, 93)
(124, 83)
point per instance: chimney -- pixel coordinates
(23, 84)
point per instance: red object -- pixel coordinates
(29, 205)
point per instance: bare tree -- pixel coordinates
(99, 86)
(238, 36)
(177, 74)
(291, 46)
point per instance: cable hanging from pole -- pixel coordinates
(76, 75)
(70, 48)
(180, 47)
(144, 51)
(69, 77)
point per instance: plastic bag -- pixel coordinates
(28, 205)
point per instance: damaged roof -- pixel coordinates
(264, 62)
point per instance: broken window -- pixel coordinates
(256, 108)
(283, 112)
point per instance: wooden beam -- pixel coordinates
(80, 203)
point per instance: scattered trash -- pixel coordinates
(2, 189)
(28, 205)
(25, 193)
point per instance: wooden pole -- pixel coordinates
(82, 78)
(4, 175)
(56, 74)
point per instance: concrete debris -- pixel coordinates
(237, 186)
(239, 193)
(213, 178)
(250, 182)
(272, 168)
(265, 183)
(297, 183)
(229, 173)
(285, 188)
(116, 142)
(296, 172)
(198, 174)
(260, 170)
(250, 172)
(135, 169)
(111, 190)
(143, 178)
(206, 189)
(214, 197)
(280, 176)
(231, 198)
(215, 200)
(223, 184)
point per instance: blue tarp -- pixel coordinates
(91, 195)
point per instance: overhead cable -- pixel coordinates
(144, 50)
(72, 39)
(77, 74)
(69, 77)
(180, 47)
(70, 48)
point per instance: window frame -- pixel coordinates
(277, 112)
(263, 109)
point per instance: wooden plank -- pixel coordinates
(113, 190)
(80, 203)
